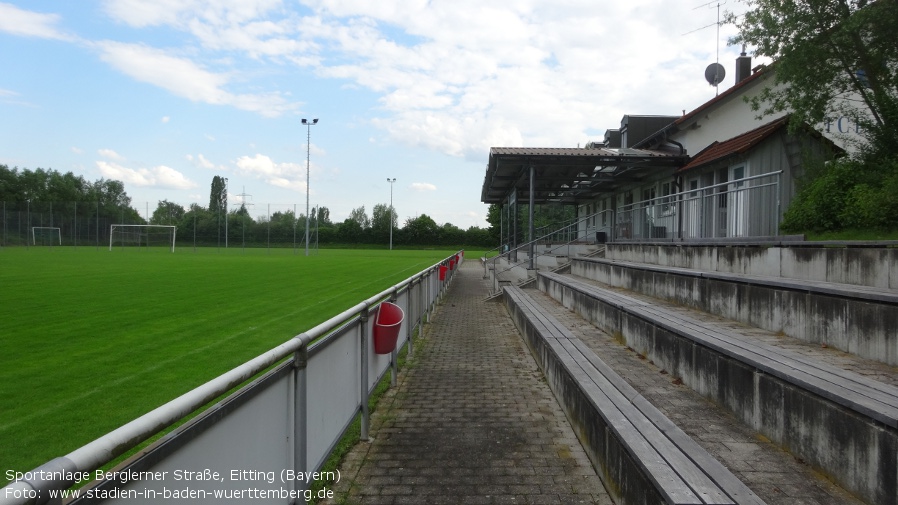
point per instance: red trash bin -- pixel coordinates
(443, 269)
(451, 264)
(387, 323)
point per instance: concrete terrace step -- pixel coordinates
(643, 455)
(771, 473)
(839, 421)
(872, 264)
(856, 319)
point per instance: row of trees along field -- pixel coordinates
(84, 210)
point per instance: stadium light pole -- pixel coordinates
(308, 148)
(391, 181)
(226, 210)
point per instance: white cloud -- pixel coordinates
(77, 150)
(283, 175)
(462, 76)
(182, 77)
(454, 76)
(110, 154)
(422, 186)
(259, 28)
(160, 177)
(200, 161)
(167, 177)
(165, 119)
(30, 24)
(143, 13)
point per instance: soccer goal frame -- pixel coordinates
(112, 228)
(34, 234)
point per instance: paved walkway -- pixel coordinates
(471, 422)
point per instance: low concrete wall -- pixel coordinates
(863, 266)
(854, 450)
(862, 326)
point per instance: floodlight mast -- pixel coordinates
(308, 149)
(391, 181)
(225, 208)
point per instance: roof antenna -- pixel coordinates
(715, 72)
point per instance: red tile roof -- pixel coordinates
(735, 145)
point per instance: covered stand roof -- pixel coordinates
(569, 175)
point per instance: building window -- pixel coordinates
(667, 207)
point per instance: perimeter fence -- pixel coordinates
(31, 223)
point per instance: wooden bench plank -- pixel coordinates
(694, 477)
(652, 439)
(667, 481)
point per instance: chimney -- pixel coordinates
(743, 66)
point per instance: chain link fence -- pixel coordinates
(49, 224)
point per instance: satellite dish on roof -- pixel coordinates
(714, 74)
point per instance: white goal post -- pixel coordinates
(136, 233)
(42, 229)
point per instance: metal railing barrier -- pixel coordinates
(555, 242)
(745, 207)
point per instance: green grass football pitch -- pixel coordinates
(92, 339)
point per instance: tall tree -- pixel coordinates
(218, 196)
(111, 193)
(323, 216)
(494, 218)
(382, 217)
(359, 216)
(168, 213)
(422, 230)
(832, 58)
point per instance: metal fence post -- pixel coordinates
(422, 310)
(363, 320)
(778, 193)
(412, 317)
(394, 356)
(300, 411)
(701, 214)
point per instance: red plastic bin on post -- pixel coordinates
(387, 323)
(451, 264)
(443, 269)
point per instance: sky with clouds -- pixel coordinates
(165, 94)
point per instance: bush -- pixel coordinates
(846, 194)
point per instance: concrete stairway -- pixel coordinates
(792, 414)
(514, 271)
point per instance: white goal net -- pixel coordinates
(46, 235)
(142, 235)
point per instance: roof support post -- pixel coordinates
(513, 209)
(532, 227)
